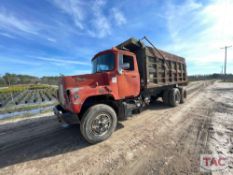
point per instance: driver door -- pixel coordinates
(128, 79)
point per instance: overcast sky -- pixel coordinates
(49, 37)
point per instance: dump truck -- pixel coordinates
(124, 80)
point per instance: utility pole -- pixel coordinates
(225, 61)
(221, 70)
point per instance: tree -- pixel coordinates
(2, 82)
(8, 78)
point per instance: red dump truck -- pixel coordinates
(124, 80)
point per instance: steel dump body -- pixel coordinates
(156, 67)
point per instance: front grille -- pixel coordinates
(68, 94)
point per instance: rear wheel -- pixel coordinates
(174, 97)
(183, 95)
(166, 97)
(98, 123)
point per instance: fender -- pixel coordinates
(80, 96)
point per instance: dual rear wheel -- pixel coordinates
(174, 96)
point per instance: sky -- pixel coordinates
(53, 37)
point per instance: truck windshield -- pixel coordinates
(103, 63)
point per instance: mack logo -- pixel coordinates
(209, 162)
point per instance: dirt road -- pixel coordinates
(160, 140)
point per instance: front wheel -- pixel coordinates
(98, 123)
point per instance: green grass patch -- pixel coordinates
(19, 88)
(39, 86)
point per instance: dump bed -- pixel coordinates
(156, 67)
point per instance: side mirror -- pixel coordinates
(125, 66)
(121, 65)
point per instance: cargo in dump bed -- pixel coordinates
(156, 67)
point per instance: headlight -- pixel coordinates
(75, 93)
(76, 96)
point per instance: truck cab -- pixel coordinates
(114, 75)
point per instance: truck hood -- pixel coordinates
(91, 80)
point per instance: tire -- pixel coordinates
(183, 95)
(166, 97)
(98, 123)
(174, 97)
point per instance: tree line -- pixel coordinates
(228, 77)
(9, 79)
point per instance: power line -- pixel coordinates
(225, 60)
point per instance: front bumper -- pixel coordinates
(65, 116)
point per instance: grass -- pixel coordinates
(227, 81)
(19, 88)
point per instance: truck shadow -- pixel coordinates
(40, 138)
(157, 105)
(36, 145)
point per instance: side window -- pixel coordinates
(128, 59)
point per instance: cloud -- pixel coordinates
(11, 22)
(118, 17)
(62, 62)
(101, 24)
(74, 9)
(91, 18)
(198, 31)
(7, 35)
(19, 61)
(53, 40)
(15, 26)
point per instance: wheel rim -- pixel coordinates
(101, 124)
